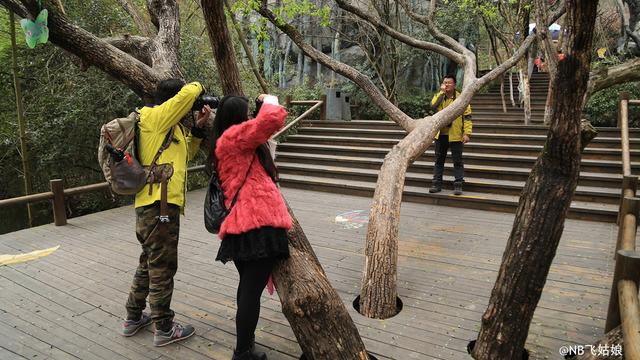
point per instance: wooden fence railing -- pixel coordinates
(624, 306)
(58, 194)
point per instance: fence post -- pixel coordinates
(323, 108)
(287, 101)
(629, 188)
(627, 228)
(59, 212)
(624, 97)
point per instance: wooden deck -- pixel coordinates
(69, 305)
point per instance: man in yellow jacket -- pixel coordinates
(453, 137)
(159, 238)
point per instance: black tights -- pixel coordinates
(253, 278)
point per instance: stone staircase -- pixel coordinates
(345, 157)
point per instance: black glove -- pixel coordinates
(258, 106)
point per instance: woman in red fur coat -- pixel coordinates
(254, 234)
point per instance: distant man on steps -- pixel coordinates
(453, 136)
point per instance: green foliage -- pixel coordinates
(602, 107)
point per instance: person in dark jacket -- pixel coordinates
(254, 234)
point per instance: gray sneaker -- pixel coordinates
(131, 327)
(457, 188)
(176, 333)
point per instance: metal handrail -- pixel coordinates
(317, 103)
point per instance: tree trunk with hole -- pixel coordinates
(542, 210)
(319, 319)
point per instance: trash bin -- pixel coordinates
(334, 104)
(346, 108)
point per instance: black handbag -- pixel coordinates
(214, 209)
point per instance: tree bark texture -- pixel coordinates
(612, 338)
(316, 313)
(222, 46)
(319, 319)
(526, 92)
(541, 212)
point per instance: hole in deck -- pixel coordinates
(356, 305)
(371, 357)
(472, 344)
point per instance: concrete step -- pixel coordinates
(474, 200)
(493, 186)
(486, 159)
(478, 126)
(479, 134)
(472, 147)
(610, 181)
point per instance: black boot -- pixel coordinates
(250, 354)
(436, 187)
(252, 348)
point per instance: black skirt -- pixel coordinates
(262, 243)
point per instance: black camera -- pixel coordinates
(203, 100)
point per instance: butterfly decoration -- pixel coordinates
(36, 31)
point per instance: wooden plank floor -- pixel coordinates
(69, 305)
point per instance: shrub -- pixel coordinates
(602, 107)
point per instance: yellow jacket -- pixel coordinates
(155, 123)
(456, 129)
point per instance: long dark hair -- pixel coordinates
(234, 110)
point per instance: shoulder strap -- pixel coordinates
(235, 197)
(167, 141)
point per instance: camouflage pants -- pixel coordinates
(158, 264)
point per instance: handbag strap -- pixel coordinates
(235, 197)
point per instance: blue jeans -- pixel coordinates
(441, 147)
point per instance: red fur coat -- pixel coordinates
(259, 202)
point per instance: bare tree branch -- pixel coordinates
(626, 72)
(411, 41)
(94, 51)
(143, 25)
(16, 7)
(360, 79)
(429, 23)
(136, 46)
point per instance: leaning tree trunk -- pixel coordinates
(222, 46)
(323, 327)
(315, 312)
(542, 210)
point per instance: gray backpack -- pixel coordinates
(117, 155)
